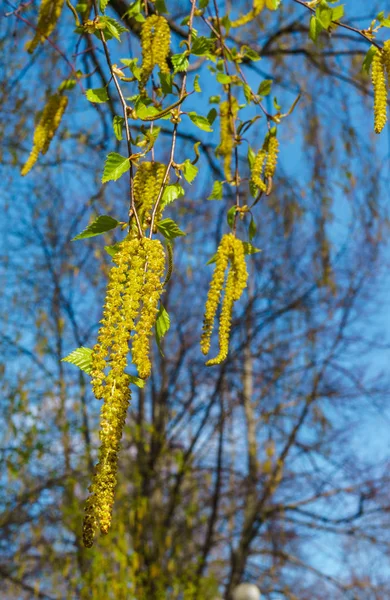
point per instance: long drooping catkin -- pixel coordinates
(130, 309)
(46, 128)
(228, 114)
(230, 250)
(49, 13)
(155, 44)
(380, 91)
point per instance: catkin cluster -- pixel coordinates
(230, 250)
(228, 114)
(380, 66)
(155, 44)
(147, 184)
(257, 7)
(49, 13)
(46, 128)
(129, 314)
(265, 160)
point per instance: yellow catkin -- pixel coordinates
(151, 293)
(380, 91)
(49, 13)
(235, 284)
(121, 308)
(257, 170)
(147, 184)
(46, 129)
(215, 291)
(386, 58)
(230, 249)
(155, 45)
(258, 6)
(228, 114)
(272, 157)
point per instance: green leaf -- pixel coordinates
(224, 79)
(100, 225)
(314, 29)
(113, 249)
(338, 12)
(81, 358)
(265, 87)
(212, 260)
(171, 193)
(217, 191)
(212, 115)
(169, 229)
(117, 125)
(137, 381)
(103, 4)
(180, 62)
(116, 165)
(368, 59)
(250, 53)
(215, 99)
(251, 158)
(131, 63)
(166, 82)
(247, 93)
(112, 29)
(134, 12)
(201, 46)
(252, 229)
(324, 16)
(163, 323)
(197, 87)
(190, 171)
(97, 95)
(230, 216)
(249, 248)
(160, 6)
(199, 121)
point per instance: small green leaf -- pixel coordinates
(252, 229)
(338, 12)
(265, 87)
(116, 165)
(166, 82)
(160, 6)
(112, 29)
(224, 79)
(131, 63)
(212, 260)
(103, 5)
(171, 193)
(217, 191)
(190, 171)
(163, 323)
(250, 53)
(368, 59)
(199, 121)
(117, 125)
(324, 16)
(314, 29)
(97, 95)
(113, 249)
(169, 229)
(134, 12)
(81, 358)
(212, 115)
(247, 93)
(230, 216)
(202, 46)
(251, 158)
(180, 62)
(215, 99)
(137, 381)
(197, 87)
(249, 248)
(100, 225)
